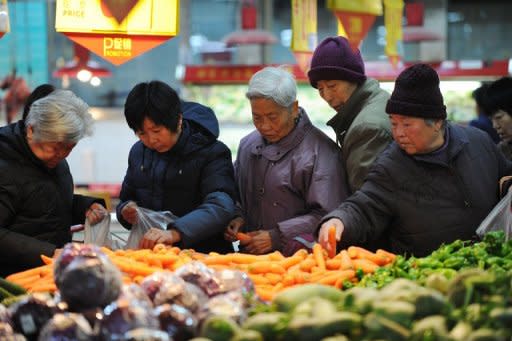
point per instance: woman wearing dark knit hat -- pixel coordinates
(434, 184)
(499, 98)
(362, 130)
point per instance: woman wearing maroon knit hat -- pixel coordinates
(362, 130)
(434, 184)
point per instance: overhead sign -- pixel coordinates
(304, 31)
(147, 24)
(356, 16)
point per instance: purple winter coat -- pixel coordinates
(286, 187)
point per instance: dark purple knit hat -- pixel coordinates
(334, 59)
(417, 94)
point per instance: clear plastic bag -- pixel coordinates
(499, 219)
(146, 219)
(99, 234)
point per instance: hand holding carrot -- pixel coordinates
(230, 234)
(323, 235)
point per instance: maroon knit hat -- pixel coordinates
(417, 94)
(334, 59)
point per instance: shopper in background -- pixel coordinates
(434, 184)
(40, 91)
(179, 166)
(362, 130)
(483, 121)
(288, 173)
(37, 204)
(499, 97)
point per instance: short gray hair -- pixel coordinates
(430, 122)
(59, 117)
(274, 83)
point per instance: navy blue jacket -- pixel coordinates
(194, 180)
(419, 202)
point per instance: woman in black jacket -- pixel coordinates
(37, 204)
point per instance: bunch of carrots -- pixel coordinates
(270, 273)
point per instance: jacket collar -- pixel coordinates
(275, 151)
(456, 142)
(344, 118)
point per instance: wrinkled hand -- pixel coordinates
(156, 236)
(233, 228)
(95, 213)
(260, 243)
(129, 212)
(323, 234)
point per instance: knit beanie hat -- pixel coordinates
(417, 94)
(499, 95)
(334, 59)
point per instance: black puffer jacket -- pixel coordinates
(194, 180)
(37, 204)
(419, 202)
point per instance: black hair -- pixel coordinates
(154, 100)
(41, 91)
(481, 100)
(499, 95)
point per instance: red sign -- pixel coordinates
(356, 25)
(118, 48)
(230, 74)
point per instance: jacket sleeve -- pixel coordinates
(207, 220)
(361, 148)
(20, 248)
(217, 207)
(127, 192)
(368, 212)
(326, 190)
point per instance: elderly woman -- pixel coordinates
(434, 184)
(289, 174)
(37, 204)
(178, 165)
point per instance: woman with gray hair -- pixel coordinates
(37, 204)
(288, 172)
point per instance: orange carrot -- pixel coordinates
(391, 256)
(365, 264)
(307, 264)
(290, 261)
(318, 253)
(244, 238)
(303, 253)
(332, 241)
(40, 270)
(259, 279)
(333, 276)
(245, 258)
(46, 260)
(333, 264)
(362, 253)
(265, 294)
(273, 278)
(346, 262)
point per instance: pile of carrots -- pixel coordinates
(270, 273)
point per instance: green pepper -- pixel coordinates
(454, 262)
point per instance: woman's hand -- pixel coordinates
(129, 212)
(233, 228)
(323, 234)
(260, 243)
(156, 236)
(95, 213)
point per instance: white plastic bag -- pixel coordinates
(499, 219)
(147, 219)
(99, 234)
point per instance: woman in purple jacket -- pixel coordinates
(288, 172)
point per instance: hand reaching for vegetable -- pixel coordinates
(129, 212)
(233, 228)
(156, 236)
(323, 235)
(260, 243)
(95, 213)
